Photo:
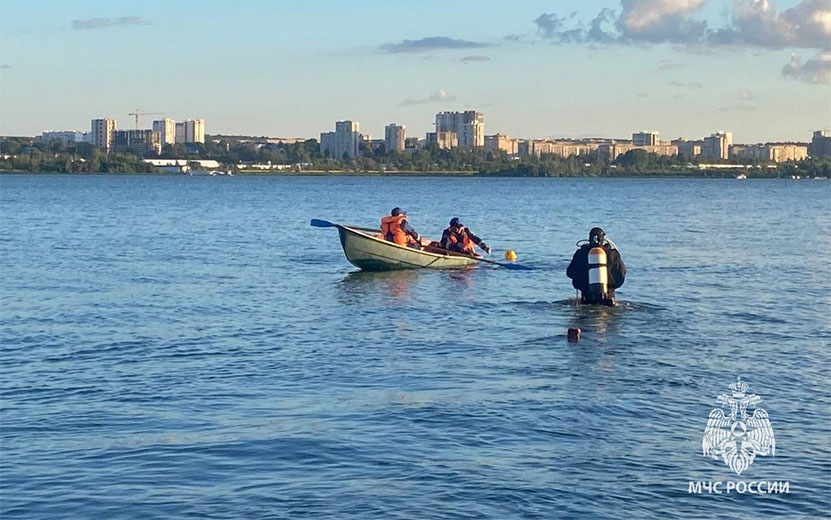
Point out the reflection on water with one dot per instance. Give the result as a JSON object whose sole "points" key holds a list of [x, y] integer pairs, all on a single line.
{"points": [[397, 287], [595, 352], [601, 319], [460, 284], [358, 286], [596, 319], [603, 343]]}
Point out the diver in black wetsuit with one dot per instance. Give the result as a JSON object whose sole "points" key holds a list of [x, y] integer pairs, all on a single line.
{"points": [[596, 270]]}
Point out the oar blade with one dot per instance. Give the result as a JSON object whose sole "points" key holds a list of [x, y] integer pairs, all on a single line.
{"points": [[517, 267], [322, 223]]}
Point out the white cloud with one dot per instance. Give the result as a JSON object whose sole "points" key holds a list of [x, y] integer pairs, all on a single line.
{"points": [[639, 21], [639, 15], [690, 85], [758, 23], [439, 96], [665, 65], [660, 20], [816, 70], [103, 23], [475, 57], [755, 23], [432, 43]]}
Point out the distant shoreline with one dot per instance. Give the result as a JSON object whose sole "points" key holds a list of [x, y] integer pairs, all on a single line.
{"points": [[344, 173], [269, 159]]}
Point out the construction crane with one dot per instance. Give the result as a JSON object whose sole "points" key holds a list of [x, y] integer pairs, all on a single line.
{"points": [[138, 113]]}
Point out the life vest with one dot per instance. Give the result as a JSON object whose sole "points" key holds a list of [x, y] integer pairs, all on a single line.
{"points": [[463, 238], [391, 229]]}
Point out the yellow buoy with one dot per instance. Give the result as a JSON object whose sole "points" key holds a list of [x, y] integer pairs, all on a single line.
{"points": [[510, 255]]}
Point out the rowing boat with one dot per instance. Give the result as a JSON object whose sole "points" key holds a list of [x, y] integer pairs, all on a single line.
{"points": [[367, 249], [370, 253]]}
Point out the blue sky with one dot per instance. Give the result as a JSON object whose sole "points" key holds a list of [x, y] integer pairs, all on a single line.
{"points": [[535, 68]]}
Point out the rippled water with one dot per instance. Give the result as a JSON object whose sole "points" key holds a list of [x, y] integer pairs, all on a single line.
{"points": [[179, 347]]}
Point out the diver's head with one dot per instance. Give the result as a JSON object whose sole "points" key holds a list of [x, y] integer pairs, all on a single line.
{"points": [[597, 236], [397, 211]]}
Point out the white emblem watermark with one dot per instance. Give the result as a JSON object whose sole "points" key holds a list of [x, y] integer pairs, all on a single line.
{"points": [[737, 438]]}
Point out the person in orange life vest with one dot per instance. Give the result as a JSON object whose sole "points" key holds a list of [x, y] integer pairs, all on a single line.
{"points": [[395, 228], [460, 239]]}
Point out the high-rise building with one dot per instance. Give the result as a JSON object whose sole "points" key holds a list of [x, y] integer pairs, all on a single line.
{"points": [[347, 137], [195, 131], [343, 142], [139, 142], [613, 150], [717, 145], [444, 140], [190, 131], [394, 137], [469, 126], [501, 142], [776, 152], [687, 148], [820, 144], [541, 147], [327, 143], [167, 130], [102, 133], [645, 139]]}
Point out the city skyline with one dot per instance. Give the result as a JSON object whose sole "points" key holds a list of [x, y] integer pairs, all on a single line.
{"points": [[538, 70], [394, 135]]}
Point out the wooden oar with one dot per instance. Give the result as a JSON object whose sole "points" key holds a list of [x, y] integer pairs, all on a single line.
{"points": [[325, 223], [515, 267]]}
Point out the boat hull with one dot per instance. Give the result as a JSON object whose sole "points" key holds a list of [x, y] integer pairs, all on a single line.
{"points": [[369, 253]]}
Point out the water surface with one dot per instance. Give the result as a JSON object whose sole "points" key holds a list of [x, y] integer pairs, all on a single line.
{"points": [[185, 347]]}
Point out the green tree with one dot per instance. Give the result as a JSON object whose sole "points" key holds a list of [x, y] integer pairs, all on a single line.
{"points": [[634, 159]]}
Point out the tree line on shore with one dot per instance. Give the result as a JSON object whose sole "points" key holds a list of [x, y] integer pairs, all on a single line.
{"points": [[33, 155]]}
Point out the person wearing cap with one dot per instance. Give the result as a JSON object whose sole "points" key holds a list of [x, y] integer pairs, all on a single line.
{"points": [[460, 239], [395, 228], [596, 269]]}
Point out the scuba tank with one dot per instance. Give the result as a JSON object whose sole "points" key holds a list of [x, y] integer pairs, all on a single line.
{"points": [[598, 276], [597, 290]]}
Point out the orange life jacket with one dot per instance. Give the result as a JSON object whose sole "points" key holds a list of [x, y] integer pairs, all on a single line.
{"points": [[391, 229], [467, 243]]}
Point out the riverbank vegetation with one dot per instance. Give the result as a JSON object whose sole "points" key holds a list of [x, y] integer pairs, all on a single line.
{"points": [[26, 154]]}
